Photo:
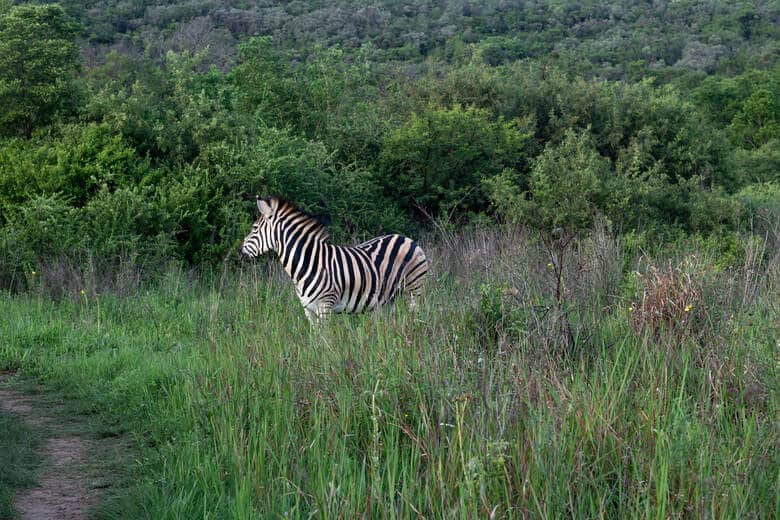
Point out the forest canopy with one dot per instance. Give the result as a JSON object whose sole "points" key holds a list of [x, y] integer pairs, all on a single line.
{"points": [[139, 130]]}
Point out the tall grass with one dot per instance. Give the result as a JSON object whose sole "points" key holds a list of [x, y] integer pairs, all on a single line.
{"points": [[467, 407]]}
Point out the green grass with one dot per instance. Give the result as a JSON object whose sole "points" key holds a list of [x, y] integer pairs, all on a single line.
{"points": [[18, 460], [236, 408]]}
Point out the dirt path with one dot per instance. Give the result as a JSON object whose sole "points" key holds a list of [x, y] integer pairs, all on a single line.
{"points": [[69, 483]]}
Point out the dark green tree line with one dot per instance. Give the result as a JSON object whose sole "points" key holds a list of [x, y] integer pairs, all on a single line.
{"points": [[157, 156]]}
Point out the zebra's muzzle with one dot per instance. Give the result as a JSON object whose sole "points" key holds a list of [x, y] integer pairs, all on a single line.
{"points": [[243, 256]]}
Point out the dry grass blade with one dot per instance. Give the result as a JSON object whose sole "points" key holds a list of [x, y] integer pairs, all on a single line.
{"points": [[671, 298]]}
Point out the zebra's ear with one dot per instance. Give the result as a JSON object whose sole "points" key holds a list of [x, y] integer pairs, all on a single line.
{"points": [[263, 207]]}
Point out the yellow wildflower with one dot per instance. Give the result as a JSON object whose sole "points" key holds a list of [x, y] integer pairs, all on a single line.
{"points": [[688, 308]]}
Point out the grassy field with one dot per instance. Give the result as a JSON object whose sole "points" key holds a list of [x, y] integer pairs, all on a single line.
{"points": [[665, 404]]}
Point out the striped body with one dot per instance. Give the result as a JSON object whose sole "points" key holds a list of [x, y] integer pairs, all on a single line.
{"points": [[331, 278]]}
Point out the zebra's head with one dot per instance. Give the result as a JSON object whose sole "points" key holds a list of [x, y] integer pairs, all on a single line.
{"points": [[261, 239]]}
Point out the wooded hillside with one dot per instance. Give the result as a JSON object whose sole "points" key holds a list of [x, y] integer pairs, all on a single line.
{"points": [[139, 129]]}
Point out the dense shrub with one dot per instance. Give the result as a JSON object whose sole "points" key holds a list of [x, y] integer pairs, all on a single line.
{"points": [[38, 64], [77, 163], [281, 163], [437, 160], [264, 83], [747, 105], [168, 115], [126, 223], [760, 204], [155, 155], [41, 228]]}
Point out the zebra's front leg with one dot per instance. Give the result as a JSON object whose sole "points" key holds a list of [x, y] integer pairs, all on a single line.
{"points": [[316, 313], [311, 316]]}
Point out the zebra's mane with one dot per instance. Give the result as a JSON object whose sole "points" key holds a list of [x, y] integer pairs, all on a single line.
{"points": [[289, 209]]}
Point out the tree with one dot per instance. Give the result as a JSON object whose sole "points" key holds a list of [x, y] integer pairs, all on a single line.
{"points": [[264, 83], [566, 183], [38, 62], [758, 122], [748, 18], [438, 159]]}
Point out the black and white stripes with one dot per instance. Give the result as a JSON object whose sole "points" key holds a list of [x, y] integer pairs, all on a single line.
{"points": [[330, 278]]}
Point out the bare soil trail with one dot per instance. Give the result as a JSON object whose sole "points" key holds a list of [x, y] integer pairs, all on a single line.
{"points": [[70, 482]]}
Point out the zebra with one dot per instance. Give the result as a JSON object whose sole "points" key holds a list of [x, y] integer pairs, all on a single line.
{"points": [[330, 278]]}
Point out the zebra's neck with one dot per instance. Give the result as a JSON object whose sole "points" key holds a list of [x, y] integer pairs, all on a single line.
{"points": [[298, 243]]}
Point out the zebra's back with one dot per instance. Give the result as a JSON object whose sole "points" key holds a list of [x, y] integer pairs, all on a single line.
{"points": [[377, 271]]}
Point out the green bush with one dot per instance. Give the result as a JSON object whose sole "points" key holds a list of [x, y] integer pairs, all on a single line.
{"points": [[208, 204], [712, 210], [76, 164], [758, 120], [438, 159], [759, 165], [571, 182], [565, 184], [169, 115], [564, 188], [89, 158], [127, 223], [760, 205], [39, 59], [43, 227], [760, 200], [669, 131], [189, 201], [20, 169], [265, 83]]}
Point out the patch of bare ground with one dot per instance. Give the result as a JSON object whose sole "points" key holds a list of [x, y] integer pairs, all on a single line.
{"points": [[71, 480]]}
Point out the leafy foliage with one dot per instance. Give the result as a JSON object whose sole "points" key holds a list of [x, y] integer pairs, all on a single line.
{"points": [[38, 62], [565, 183], [76, 165], [380, 118], [623, 40], [438, 158]]}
